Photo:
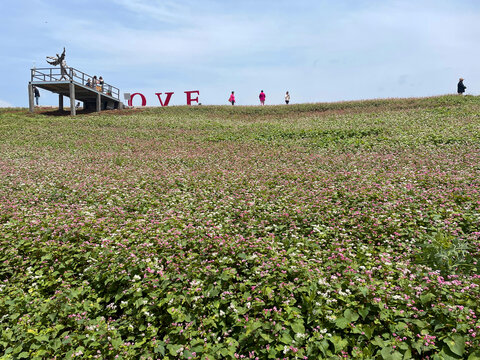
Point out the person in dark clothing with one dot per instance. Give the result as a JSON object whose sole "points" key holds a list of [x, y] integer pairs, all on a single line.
{"points": [[101, 82], [36, 93], [460, 87]]}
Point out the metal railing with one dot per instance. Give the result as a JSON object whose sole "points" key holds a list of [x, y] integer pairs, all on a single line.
{"points": [[77, 76]]}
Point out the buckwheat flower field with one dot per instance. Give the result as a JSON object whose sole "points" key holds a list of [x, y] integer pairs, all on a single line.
{"points": [[317, 231]]}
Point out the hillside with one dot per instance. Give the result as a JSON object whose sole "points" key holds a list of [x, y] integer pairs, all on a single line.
{"points": [[312, 231]]}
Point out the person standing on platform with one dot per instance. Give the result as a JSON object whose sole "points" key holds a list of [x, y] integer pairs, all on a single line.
{"points": [[94, 82], [232, 98], [460, 87], [287, 98], [36, 93], [101, 83], [262, 97]]}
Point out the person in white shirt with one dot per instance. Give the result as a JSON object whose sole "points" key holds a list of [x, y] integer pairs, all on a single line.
{"points": [[287, 98]]}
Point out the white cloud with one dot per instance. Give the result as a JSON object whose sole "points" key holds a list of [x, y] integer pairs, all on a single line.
{"points": [[319, 50], [162, 10], [189, 36]]}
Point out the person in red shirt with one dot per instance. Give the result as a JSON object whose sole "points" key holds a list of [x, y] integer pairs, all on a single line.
{"points": [[262, 97], [232, 98]]}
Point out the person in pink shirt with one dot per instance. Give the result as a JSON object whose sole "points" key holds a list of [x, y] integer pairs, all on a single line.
{"points": [[262, 97], [232, 98]]}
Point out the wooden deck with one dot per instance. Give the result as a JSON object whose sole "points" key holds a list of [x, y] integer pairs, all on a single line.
{"points": [[74, 87]]}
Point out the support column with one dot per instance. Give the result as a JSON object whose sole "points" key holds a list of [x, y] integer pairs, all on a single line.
{"points": [[73, 111], [60, 102], [99, 102], [31, 104]]}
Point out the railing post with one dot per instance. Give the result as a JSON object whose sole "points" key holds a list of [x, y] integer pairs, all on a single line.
{"points": [[31, 104], [72, 99], [99, 103]]}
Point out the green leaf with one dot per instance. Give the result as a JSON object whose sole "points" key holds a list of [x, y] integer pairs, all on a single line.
{"points": [[23, 355], [41, 338], [368, 330], [418, 345], [173, 349], [266, 337], [116, 343], [139, 302], [338, 343], [385, 315], [426, 298], [408, 354], [187, 354], [378, 341], [298, 327], [456, 344], [447, 354], [364, 312], [350, 315], [401, 326], [286, 338], [389, 354], [252, 326], [474, 356], [224, 352], [342, 323], [421, 324]]}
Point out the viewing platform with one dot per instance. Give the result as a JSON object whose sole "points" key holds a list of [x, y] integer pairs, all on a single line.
{"points": [[73, 84]]}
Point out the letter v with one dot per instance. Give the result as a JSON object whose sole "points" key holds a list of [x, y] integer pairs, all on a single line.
{"points": [[167, 100]]}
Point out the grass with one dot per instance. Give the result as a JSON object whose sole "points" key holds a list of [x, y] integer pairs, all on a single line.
{"points": [[319, 231]]}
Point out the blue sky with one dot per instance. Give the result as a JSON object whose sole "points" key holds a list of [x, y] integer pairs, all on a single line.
{"points": [[318, 50]]}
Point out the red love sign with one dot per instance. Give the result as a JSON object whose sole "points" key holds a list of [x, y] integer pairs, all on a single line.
{"points": [[167, 99]]}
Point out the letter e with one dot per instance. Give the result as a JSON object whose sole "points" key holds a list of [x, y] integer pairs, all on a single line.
{"points": [[189, 96]]}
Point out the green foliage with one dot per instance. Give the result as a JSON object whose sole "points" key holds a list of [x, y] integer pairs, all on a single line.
{"points": [[448, 253], [318, 231]]}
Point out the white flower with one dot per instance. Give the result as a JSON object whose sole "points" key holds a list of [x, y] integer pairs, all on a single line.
{"points": [[322, 281]]}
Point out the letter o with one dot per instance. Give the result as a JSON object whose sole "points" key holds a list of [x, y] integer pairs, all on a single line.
{"points": [[144, 101]]}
